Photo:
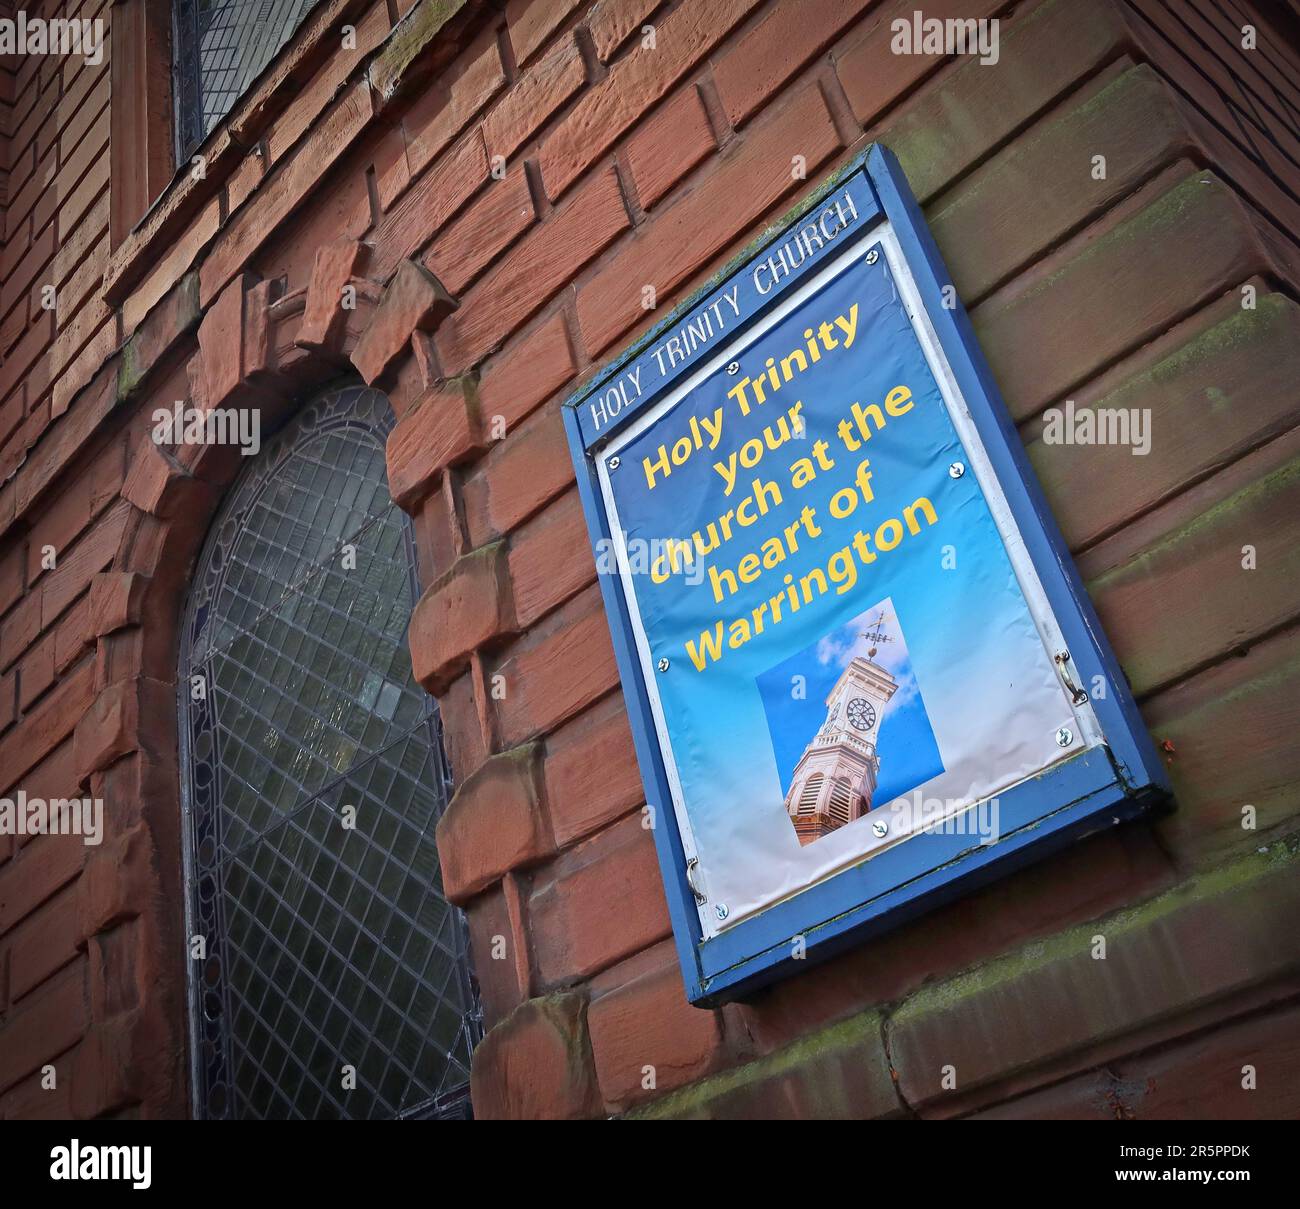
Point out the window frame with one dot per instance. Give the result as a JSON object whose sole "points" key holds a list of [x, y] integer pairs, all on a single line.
{"points": [[453, 1104]]}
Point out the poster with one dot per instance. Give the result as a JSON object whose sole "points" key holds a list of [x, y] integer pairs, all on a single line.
{"points": [[838, 647], [861, 672]]}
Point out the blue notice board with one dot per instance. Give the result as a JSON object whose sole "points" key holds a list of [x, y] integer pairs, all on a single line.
{"points": [[861, 671]]}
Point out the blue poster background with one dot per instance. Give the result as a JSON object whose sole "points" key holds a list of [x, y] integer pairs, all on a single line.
{"points": [[991, 697]]}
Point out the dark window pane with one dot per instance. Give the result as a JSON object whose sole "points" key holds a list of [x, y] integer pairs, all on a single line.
{"points": [[220, 47]]}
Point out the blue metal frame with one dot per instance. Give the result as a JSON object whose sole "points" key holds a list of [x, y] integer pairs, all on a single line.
{"points": [[1090, 791]]}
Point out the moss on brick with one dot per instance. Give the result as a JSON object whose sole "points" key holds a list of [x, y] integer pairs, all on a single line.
{"points": [[1236, 876], [1282, 479], [822, 1098], [408, 41]]}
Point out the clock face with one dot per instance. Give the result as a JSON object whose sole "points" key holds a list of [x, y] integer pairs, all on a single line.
{"points": [[862, 714]]}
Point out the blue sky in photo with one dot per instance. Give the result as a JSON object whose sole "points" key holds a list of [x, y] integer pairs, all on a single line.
{"points": [[909, 755]]}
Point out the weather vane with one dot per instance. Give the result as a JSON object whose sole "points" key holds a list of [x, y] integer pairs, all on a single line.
{"points": [[875, 634]]}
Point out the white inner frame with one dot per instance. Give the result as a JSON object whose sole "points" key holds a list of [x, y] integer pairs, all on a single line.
{"points": [[1088, 733]]}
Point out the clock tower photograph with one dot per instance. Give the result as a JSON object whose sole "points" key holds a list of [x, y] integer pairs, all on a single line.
{"points": [[836, 779]]}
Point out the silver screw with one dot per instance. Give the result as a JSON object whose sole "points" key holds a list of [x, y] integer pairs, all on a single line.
{"points": [[662, 665], [734, 367], [956, 470], [873, 256], [613, 462], [1064, 737], [721, 911], [880, 829]]}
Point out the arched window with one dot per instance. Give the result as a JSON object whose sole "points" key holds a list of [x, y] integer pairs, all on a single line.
{"points": [[332, 978], [808, 798]]}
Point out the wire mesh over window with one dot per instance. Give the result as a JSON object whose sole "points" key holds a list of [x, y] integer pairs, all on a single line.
{"points": [[219, 48], [314, 778]]}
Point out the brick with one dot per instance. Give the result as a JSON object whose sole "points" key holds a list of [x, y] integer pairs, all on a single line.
{"points": [[633, 86], [669, 145], [1229, 728], [284, 189], [116, 599], [544, 261], [1082, 308], [755, 66], [1241, 364], [1201, 941], [439, 114], [577, 928], [407, 58], [431, 201], [46, 727], [531, 22], [313, 99], [519, 476], [118, 722], [462, 729], [324, 319], [221, 341], [548, 560], [439, 431], [840, 1074], [612, 22], [536, 1064], [52, 1020], [171, 269], [517, 380], [437, 535], [1223, 606], [413, 300], [77, 566], [488, 227], [45, 942], [751, 177], [649, 1023], [466, 608], [155, 482], [77, 375], [73, 208], [950, 127], [21, 628], [499, 950], [873, 76], [495, 823], [93, 488], [531, 100], [561, 667], [1040, 187]]}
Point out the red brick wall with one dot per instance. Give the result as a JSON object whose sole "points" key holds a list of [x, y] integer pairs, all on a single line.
{"points": [[621, 165]]}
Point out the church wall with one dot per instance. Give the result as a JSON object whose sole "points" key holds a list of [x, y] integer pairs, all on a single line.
{"points": [[1170, 284]]}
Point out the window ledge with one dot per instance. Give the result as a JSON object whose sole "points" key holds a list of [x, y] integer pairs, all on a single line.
{"points": [[224, 149]]}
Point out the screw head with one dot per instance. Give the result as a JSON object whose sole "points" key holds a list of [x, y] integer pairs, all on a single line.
{"points": [[873, 256], [662, 665], [880, 829], [1064, 737], [721, 911], [734, 367], [956, 470], [613, 462]]}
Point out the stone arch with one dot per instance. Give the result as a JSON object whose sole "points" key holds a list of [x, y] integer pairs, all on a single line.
{"points": [[257, 347]]}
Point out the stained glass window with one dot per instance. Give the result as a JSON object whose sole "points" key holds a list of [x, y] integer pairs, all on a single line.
{"points": [[334, 981], [220, 47]]}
